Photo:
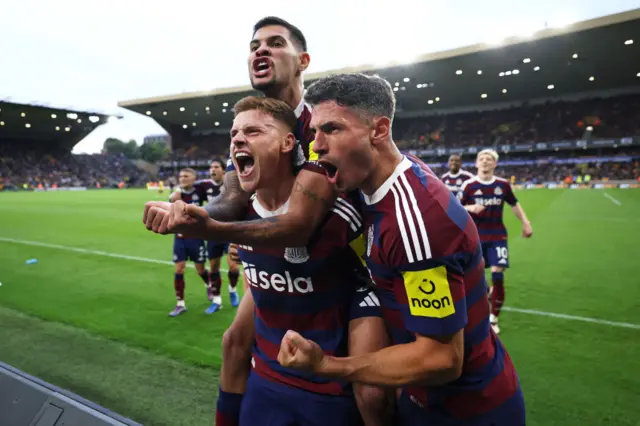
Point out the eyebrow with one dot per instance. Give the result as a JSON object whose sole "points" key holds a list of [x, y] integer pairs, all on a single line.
{"points": [[272, 37]]}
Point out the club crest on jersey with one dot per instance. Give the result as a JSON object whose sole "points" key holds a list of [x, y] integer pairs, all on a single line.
{"points": [[498, 191], [369, 240], [300, 158], [459, 182], [296, 254]]}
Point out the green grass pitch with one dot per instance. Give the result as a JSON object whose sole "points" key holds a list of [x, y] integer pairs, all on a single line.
{"points": [[97, 324]]}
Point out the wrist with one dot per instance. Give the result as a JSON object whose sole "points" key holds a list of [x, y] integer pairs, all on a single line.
{"points": [[338, 368]]}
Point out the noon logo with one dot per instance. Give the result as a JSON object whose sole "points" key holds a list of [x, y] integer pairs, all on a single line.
{"points": [[428, 293]]}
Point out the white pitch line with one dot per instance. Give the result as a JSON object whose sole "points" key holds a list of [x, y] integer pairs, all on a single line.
{"points": [[87, 251], [573, 318], [166, 262], [613, 200]]}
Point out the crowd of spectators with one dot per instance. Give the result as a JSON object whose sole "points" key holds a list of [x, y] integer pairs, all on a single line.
{"points": [[541, 122], [551, 121], [44, 168]]}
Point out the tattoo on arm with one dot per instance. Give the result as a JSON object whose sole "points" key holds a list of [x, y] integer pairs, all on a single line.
{"points": [[298, 187], [232, 203]]}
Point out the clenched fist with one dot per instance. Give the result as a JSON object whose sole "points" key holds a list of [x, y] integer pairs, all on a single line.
{"points": [[299, 353], [156, 216], [176, 218]]}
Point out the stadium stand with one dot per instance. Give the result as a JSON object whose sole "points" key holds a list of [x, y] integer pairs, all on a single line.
{"points": [[544, 102], [35, 151]]}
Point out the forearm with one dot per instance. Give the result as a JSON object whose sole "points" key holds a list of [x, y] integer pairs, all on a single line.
{"points": [[397, 365], [233, 202], [282, 230], [519, 212]]}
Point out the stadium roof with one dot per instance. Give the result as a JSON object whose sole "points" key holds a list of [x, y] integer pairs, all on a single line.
{"points": [[594, 55], [42, 123]]}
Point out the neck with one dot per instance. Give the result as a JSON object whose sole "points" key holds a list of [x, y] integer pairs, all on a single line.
{"points": [[387, 159], [454, 173], [291, 93], [276, 190], [485, 176], [217, 182]]}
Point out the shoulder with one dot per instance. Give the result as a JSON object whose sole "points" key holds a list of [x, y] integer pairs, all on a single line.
{"points": [[204, 183], [503, 182], [348, 208], [472, 179], [467, 174]]}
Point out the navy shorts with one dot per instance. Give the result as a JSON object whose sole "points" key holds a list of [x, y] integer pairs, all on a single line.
{"points": [[188, 249], [510, 413], [267, 403], [215, 250], [495, 253]]}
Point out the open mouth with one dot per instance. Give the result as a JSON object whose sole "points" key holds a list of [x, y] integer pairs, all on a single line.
{"points": [[245, 163], [261, 67], [332, 171]]}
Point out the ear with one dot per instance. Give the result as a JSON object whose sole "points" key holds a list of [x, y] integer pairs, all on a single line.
{"points": [[304, 60], [381, 130], [288, 143]]}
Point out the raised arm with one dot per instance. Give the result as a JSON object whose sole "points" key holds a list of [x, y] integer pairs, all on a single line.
{"points": [[311, 198], [232, 203]]}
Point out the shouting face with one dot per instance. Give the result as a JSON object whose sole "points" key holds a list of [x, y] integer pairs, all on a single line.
{"points": [[259, 143], [274, 59], [343, 144]]}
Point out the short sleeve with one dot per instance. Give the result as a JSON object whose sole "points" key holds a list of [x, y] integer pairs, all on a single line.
{"points": [[429, 284], [509, 196], [365, 303]]}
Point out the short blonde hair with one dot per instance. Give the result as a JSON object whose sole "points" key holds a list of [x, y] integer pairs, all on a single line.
{"points": [[491, 152]]}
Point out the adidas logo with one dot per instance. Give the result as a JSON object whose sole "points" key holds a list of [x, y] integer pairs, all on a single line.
{"points": [[478, 192], [371, 300]]}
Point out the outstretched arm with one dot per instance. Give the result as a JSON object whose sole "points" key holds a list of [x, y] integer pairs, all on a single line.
{"points": [[311, 198], [232, 203]]}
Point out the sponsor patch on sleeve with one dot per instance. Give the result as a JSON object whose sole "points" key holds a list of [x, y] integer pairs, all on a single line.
{"points": [[428, 293]]}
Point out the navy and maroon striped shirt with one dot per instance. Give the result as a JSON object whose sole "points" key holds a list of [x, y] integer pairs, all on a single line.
{"points": [[424, 254], [492, 195], [315, 290]]}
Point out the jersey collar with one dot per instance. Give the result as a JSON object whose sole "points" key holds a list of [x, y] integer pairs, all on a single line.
{"points": [[486, 182], [381, 192], [300, 108], [262, 212]]}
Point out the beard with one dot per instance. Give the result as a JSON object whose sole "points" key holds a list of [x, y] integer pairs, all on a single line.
{"points": [[264, 86]]}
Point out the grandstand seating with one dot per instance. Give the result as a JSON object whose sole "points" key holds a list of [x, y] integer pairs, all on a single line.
{"points": [[62, 169], [543, 122]]}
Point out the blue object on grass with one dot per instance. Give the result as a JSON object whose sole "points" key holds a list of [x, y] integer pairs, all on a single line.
{"points": [[31, 261]]}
